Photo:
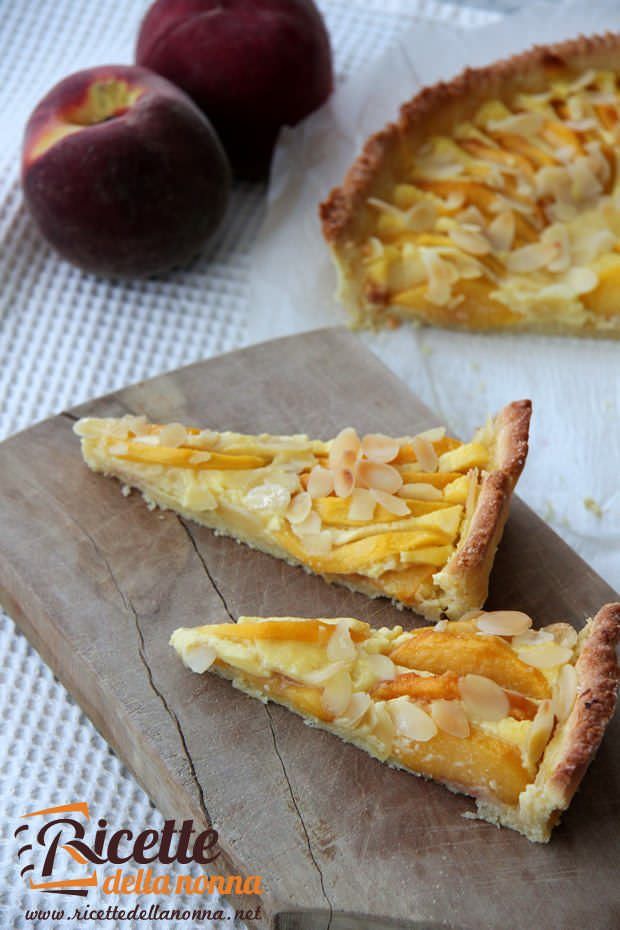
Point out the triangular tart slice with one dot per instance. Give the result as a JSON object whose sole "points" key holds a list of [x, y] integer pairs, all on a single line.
{"points": [[415, 518], [487, 706], [493, 203]]}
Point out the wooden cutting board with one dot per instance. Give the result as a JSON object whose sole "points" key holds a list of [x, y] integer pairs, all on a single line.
{"points": [[97, 582]]}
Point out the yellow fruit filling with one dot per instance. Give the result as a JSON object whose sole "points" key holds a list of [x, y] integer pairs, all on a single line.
{"points": [[388, 513], [509, 219], [472, 703]]}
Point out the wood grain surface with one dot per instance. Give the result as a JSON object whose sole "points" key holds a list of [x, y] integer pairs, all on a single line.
{"points": [[97, 582]]}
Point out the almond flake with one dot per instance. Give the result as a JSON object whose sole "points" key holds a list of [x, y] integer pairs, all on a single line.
{"points": [[379, 476], [172, 435], [529, 257], [381, 666], [199, 658], [347, 440], [344, 482], [379, 448], [382, 726], [547, 655], [441, 276], [539, 732], [308, 527], [501, 231], [435, 434], [450, 717], [470, 239], [268, 496], [421, 492], [483, 698], [504, 622], [320, 482], [391, 503], [337, 693], [581, 280], [563, 633], [519, 124], [318, 544], [411, 721], [199, 458], [531, 638], [565, 692], [299, 507], [425, 453], [341, 647], [356, 709], [362, 506], [118, 448]]}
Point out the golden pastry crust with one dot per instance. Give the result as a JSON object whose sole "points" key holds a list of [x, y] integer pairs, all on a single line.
{"points": [[599, 675], [347, 221], [434, 109], [465, 578]]}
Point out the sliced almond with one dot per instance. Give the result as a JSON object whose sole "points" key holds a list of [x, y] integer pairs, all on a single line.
{"points": [[483, 698], [320, 482], [379, 448], [531, 638], [341, 647], [382, 726], [268, 496], [435, 434], [381, 666], [299, 507], [308, 527], [172, 435], [362, 506], [565, 692], [344, 482], [356, 709], [391, 503], [529, 258], [318, 543], [411, 721], [582, 280], [441, 275], [519, 124], [425, 453], [539, 732], [504, 622], [501, 231], [199, 658], [546, 655], [347, 440], [421, 492], [563, 633], [379, 476], [118, 448], [470, 239], [337, 693], [450, 717]]}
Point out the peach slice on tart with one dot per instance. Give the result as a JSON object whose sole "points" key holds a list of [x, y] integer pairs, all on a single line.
{"points": [[493, 202], [516, 733], [414, 518]]}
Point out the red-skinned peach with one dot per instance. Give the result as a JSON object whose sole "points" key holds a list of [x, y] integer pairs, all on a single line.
{"points": [[122, 172], [252, 66]]}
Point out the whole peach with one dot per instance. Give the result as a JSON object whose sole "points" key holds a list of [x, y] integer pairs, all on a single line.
{"points": [[122, 172], [252, 66]]}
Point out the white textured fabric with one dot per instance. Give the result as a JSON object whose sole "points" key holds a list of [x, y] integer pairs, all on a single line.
{"points": [[67, 336]]}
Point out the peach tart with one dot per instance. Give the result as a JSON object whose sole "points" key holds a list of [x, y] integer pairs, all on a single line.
{"points": [[493, 203], [490, 707], [415, 518]]}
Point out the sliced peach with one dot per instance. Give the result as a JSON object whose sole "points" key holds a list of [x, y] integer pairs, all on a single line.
{"points": [[456, 491], [603, 300], [474, 193], [481, 764], [305, 699], [429, 555], [334, 511], [467, 653], [182, 458], [471, 455], [521, 146], [298, 631], [403, 584], [499, 156], [437, 479], [419, 687], [607, 114], [406, 453], [558, 132]]}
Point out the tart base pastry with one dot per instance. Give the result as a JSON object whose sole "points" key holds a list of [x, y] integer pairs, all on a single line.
{"points": [[487, 706], [417, 519], [493, 203]]}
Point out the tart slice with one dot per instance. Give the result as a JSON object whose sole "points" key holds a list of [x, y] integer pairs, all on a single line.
{"points": [[488, 706], [417, 518], [493, 203]]}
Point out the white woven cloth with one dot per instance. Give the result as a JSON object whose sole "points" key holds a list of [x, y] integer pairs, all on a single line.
{"points": [[67, 336]]}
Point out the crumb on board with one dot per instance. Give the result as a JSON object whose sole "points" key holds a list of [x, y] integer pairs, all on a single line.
{"points": [[590, 504]]}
